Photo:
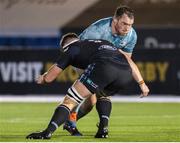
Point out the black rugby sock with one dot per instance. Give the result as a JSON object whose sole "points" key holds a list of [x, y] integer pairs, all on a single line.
{"points": [[103, 107], [60, 115], [82, 112]]}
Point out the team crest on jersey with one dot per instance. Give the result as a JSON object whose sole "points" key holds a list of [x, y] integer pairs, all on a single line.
{"points": [[123, 43], [89, 81], [96, 41]]}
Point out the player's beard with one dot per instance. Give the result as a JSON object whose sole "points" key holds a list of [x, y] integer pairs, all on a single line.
{"points": [[119, 31]]}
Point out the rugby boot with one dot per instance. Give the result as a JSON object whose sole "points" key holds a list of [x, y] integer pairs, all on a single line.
{"points": [[102, 133], [39, 135], [71, 129]]}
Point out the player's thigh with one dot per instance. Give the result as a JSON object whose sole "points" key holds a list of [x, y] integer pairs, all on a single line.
{"points": [[97, 76], [91, 101], [123, 79], [81, 89]]}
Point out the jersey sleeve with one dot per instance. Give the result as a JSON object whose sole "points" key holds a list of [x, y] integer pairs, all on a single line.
{"points": [[131, 44], [64, 60]]}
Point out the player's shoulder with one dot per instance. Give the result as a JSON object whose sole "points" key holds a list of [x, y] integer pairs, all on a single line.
{"points": [[104, 21], [132, 34]]}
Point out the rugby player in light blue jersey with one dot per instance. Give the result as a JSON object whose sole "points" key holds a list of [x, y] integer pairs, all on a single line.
{"points": [[119, 31], [102, 29]]}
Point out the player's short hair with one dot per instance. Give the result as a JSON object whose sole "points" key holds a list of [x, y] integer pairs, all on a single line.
{"points": [[124, 10], [66, 37]]}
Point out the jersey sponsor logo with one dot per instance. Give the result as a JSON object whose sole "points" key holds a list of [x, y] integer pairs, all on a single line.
{"points": [[107, 47], [89, 81], [96, 41]]}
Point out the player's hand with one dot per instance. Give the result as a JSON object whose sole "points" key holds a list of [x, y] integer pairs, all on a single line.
{"points": [[144, 89], [40, 79]]}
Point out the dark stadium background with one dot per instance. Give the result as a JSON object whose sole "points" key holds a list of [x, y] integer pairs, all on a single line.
{"points": [[23, 56]]}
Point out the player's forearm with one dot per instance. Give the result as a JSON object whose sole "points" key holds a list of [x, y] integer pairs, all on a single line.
{"points": [[126, 54], [137, 76], [135, 71], [51, 74]]}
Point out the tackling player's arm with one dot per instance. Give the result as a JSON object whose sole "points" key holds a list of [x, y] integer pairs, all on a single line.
{"points": [[50, 75], [53, 72], [137, 75]]}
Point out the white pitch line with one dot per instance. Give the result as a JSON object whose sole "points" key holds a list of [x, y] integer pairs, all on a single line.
{"points": [[119, 98]]}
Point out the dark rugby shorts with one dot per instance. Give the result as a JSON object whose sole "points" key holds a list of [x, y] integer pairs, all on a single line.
{"points": [[106, 78]]}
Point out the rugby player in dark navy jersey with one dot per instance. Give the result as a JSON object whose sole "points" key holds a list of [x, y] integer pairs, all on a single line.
{"points": [[107, 70]]}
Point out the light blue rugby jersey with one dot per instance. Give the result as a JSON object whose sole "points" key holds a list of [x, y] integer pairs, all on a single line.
{"points": [[101, 29]]}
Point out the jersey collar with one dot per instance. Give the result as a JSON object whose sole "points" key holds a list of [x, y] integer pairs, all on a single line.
{"points": [[70, 43]]}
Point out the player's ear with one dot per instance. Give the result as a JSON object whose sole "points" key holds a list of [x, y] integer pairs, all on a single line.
{"points": [[115, 20]]}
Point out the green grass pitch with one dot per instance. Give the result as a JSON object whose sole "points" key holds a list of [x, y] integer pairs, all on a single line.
{"points": [[129, 122]]}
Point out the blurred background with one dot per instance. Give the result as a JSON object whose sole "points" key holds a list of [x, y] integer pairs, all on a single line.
{"points": [[30, 31]]}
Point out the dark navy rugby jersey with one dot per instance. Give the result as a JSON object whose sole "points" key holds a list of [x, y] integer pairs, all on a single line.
{"points": [[82, 53]]}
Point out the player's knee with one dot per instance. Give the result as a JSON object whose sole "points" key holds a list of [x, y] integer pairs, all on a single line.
{"points": [[89, 103], [107, 98], [68, 102], [76, 94], [93, 100]]}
